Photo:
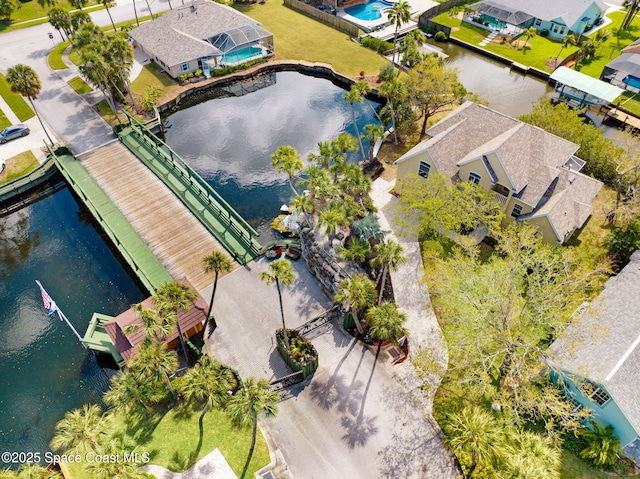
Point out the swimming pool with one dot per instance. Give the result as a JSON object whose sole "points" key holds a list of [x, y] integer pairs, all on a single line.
{"points": [[367, 11], [242, 55]]}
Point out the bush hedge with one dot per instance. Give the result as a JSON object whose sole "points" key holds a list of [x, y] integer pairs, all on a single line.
{"points": [[376, 44]]}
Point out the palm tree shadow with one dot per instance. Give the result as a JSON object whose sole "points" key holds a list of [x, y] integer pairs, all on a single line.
{"points": [[358, 430], [142, 429]]}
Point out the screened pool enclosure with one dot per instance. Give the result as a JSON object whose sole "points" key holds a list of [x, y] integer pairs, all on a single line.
{"points": [[241, 44]]}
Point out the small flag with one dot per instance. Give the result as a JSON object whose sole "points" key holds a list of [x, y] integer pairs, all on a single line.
{"points": [[49, 303]]}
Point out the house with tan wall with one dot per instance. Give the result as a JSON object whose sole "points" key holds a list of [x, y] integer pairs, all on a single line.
{"points": [[533, 174]]}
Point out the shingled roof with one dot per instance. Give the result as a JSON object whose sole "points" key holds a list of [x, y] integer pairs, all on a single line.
{"points": [[180, 35], [127, 344], [602, 345]]}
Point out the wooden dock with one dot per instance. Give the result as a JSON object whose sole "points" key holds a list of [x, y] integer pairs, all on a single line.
{"points": [[174, 235]]}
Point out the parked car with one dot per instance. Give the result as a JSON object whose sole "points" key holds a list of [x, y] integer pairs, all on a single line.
{"points": [[13, 131]]}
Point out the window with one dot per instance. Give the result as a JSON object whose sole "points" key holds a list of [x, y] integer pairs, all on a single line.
{"points": [[423, 170], [594, 393], [561, 30], [474, 178], [516, 211], [184, 67], [577, 407], [538, 22]]}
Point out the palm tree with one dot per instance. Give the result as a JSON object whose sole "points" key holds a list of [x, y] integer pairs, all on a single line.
{"points": [[119, 53], [154, 361], [527, 454], [604, 445], [374, 133], [208, 381], [368, 227], [135, 12], [568, 41], [389, 255], [332, 217], [131, 394], [25, 81], [106, 5], [356, 95], [95, 69], [393, 90], [217, 262], [170, 298], [398, 15], [81, 430], [286, 160], [386, 323], [47, 3], [356, 293], [528, 34], [34, 471], [60, 19], [280, 272], [125, 467], [356, 250], [475, 432], [253, 398]]}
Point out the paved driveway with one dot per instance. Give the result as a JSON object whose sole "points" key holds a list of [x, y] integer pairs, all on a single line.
{"points": [[352, 420]]}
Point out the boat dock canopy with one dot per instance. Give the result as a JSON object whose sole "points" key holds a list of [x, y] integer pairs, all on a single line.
{"points": [[586, 84]]}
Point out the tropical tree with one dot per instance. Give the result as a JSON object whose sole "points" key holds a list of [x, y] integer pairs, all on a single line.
{"points": [[47, 3], [356, 95], [149, 96], [78, 3], [528, 34], [78, 19], [119, 54], [356, 293], [217, 262], [81, 430], [568, 41], [389, 255], [528, 454], [368, 228], [398, 15], [25, 81], [96, 70], [88, 34], [208, 381], [476, 433], [153, 361], [280, 272], [386, 323], [106, 4], [252, 399], [60, 19], [356, 250], [286, 160], [132, 395], [603, 445], [7, 7], [393, 91], [170, 298], [333, 216], [125, 467], [374, 133], [30, 470], [632, 8], [433, 86]]}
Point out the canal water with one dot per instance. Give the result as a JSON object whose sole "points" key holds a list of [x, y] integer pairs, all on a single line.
{"points": [[229, 140], [44, 371]]}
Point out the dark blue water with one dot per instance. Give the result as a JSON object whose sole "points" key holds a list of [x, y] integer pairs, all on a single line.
{"points": [[229, 141], [44, 370]]}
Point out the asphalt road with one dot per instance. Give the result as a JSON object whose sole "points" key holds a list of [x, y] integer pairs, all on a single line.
{"points": [[73, 121]]}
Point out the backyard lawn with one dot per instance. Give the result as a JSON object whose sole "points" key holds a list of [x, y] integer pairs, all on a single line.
{"points": [[151, 75], [298, 37], [172, 440], [18, 104]]}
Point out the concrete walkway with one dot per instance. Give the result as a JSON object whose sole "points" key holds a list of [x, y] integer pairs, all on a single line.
{"points": [[211, 466]]}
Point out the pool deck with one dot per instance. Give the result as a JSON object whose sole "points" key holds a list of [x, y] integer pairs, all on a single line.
{"points": [[380, 28]]}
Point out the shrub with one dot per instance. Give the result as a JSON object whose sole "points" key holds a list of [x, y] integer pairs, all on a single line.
{"points": [[544, 33], [441, 36], [189, 75], [182, 77], [376, 44], [198, 73]]}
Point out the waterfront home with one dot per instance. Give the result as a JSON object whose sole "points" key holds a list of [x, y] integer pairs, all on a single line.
{"points": [[202, 35], [533, 174], [624, 71], [557, 18], [599, 358]]}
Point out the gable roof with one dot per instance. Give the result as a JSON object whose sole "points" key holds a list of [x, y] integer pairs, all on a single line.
{"points": [[604, 343], [564, 11], [628, 63], [180, 35], [127, 344]]}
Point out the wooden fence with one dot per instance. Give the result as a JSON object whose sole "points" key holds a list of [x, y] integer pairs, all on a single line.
{"points": [[324, 17], [440, 8]]}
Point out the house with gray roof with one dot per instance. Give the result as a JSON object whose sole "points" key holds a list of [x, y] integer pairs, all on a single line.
{"points": [[202, 35], [599, 357], [533, 174], [624, 71], [556, 17]]}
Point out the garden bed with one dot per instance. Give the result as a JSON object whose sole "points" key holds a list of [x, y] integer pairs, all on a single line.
{"points": [[301, 355]]}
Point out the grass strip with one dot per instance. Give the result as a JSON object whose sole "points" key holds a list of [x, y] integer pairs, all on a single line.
{"points": [[4, 121], [18, 104], [18, 166], [79, 85], [55, 57]]}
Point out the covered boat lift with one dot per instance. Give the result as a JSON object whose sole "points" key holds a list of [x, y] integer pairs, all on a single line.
{"points": [[583, 89]]}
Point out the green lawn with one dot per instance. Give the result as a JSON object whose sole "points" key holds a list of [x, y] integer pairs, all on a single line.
{"points": [[153, 76], [33, 11], [538, 51], [172, 440], [575, 468], [55, 57], [18, 104], [4, 121], [79, 85], [298, 37], [17, 166]]}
